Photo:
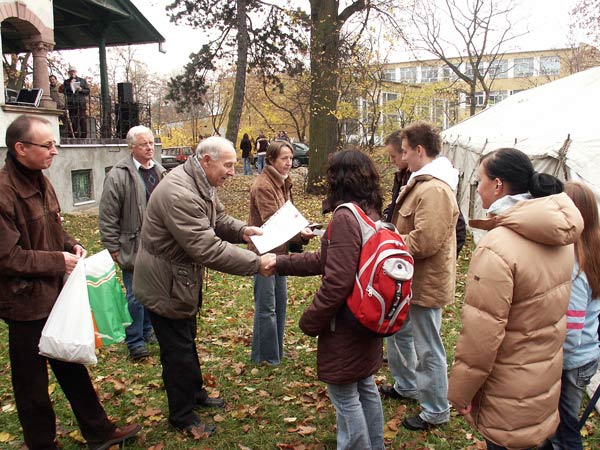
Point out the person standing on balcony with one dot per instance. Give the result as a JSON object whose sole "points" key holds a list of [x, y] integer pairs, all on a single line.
{"points": [[77, 92], [127, 189], [57, 93]]}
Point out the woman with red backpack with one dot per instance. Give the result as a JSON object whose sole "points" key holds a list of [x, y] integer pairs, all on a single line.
{"points": [[346, 359]]}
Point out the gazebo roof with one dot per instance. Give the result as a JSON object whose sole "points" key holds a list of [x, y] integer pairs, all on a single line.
{"points": [[81, 23]]}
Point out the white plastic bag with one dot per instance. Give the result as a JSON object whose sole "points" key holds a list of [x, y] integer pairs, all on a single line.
{"points": [[69, 331]]}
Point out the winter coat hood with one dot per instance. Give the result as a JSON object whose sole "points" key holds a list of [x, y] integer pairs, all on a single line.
{"points": [[551, 220], [440, 168]]}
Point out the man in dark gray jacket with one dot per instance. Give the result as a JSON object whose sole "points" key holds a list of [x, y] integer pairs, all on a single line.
{"points": [[185, 230], [127, 188]]}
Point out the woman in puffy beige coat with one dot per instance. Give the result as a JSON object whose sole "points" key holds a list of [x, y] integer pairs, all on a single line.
{"points": [[508, 361]]}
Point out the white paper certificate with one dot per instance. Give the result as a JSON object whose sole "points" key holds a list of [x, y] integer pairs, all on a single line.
{"points": [[286, 223]]}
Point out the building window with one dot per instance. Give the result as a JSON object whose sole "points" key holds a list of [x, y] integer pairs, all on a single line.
{"points": [[498, 69], [429, 74], [389, 97], [469, 69], [497, 96], [82, 186], [523, 67], [448, 74], [550, 65], [408, 74], [389, 75]]}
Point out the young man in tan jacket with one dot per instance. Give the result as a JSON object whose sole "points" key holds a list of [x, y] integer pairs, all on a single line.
{"points": [[425, 213]]}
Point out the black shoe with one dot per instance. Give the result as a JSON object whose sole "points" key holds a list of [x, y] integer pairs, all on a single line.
{"points": [[138, 353], [388, 391], [210, 402], [199, 430], [116, 437], [417, 424]]}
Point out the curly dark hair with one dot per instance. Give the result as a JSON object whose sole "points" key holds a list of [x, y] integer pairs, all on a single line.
{"points": [[352, 177]]}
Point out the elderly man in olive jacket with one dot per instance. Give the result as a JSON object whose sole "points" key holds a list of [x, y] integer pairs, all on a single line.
{"points": [[127, 189], [185, 230]]}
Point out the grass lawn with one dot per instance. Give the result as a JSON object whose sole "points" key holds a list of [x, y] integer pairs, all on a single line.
{"points": [[283, 407]]}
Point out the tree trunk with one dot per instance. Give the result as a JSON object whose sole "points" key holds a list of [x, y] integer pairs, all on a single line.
{"points": [[237, 103], [473, 108], [324, 43]]}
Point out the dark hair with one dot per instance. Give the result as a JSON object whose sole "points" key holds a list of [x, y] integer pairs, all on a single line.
{"points": [[514, 168], [352, 177], [587, 247], [424, 134], [245, 138], [18, 130], [395, 140], [274, 150]]}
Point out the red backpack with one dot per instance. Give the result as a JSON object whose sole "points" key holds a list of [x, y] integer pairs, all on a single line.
{"points": [[382, 288]]}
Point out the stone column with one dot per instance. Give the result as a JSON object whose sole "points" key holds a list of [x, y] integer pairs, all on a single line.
{"points": [[40, 50]]}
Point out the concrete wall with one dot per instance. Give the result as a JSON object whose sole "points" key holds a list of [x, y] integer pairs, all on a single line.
{"points": [[95, 158]]}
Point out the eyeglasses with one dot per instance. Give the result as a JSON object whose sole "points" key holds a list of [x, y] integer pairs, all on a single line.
{"points": [[47, 146]]}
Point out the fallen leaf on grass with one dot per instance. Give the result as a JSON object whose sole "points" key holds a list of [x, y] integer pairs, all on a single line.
{"points": [[9, 407], [6, 437], [291, 447], [159, 446], [218, 418], [149, 412], [76, 435], [289, 419], [303, 430]]}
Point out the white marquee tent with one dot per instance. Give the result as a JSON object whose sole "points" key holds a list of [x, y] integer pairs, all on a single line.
{"points": [[556, 124]]}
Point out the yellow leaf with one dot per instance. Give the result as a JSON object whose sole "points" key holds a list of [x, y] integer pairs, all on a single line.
{"points": [[76, 435], [5, 437]]}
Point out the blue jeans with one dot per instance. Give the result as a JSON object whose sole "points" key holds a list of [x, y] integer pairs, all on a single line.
{"points": [[261, 163], [573, 384], [270, 302], [417, 361], [140, 320], [359, 415], [247, 166]]}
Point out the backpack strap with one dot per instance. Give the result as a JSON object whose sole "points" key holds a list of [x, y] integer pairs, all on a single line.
{"points": [[367, 227]]}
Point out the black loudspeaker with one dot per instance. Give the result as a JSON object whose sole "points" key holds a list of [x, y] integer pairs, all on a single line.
{"points": [[125, 92], [126, 116]]}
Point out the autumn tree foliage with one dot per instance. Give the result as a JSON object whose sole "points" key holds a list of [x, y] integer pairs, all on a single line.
{"points": [[248, 34]]}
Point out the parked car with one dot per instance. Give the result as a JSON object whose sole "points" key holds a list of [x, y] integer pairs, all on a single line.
{"points": [[300, 155], [180, 153], [168, 161]]}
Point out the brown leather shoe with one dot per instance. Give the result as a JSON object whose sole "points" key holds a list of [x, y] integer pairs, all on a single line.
{"points": [[119, 435]]}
